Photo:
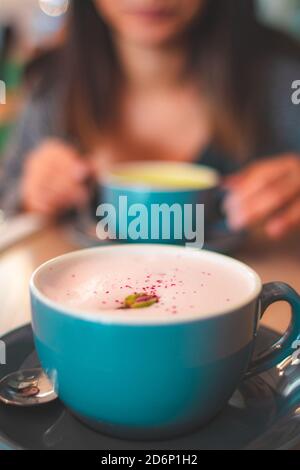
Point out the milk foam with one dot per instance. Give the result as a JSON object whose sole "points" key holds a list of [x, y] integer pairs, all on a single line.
{"points": [[186, 282]]}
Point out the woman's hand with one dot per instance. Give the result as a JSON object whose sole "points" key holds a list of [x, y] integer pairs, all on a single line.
{"points": [[267, 193], [54, 179]]}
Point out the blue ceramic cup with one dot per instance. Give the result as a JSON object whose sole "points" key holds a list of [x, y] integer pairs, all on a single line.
{"points": [[160, 198], [144, 377]]}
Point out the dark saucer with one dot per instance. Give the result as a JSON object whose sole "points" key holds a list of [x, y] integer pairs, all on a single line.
{"points": [[262, 414]]}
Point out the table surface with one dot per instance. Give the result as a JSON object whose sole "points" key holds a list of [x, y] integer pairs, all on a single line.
{"points": [[272, 261]]}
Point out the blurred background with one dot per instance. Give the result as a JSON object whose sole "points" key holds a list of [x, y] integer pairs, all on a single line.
{"points": [[26, 25]]}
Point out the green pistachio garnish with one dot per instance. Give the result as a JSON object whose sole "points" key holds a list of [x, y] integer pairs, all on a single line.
{"points": [[140, 300]]}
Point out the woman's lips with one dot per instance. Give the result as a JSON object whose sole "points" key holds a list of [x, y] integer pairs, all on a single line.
{"points": [[152, 14]]}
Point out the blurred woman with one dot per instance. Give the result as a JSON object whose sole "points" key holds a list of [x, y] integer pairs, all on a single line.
{"points": [[185, 80]]}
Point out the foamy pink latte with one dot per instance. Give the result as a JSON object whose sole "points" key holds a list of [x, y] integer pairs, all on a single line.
{"points": [[185, 282]]}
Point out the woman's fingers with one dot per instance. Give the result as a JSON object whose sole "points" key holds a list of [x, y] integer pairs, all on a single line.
{"points": [[259, 175], [56, 162], [54, 178], [247, 212], [264, 189], [285, 222], [57, 198]]}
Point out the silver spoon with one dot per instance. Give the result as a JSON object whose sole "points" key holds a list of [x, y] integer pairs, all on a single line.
{"points": [[29, 387]]}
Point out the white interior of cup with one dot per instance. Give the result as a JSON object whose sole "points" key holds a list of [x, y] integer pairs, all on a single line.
{"points": [[247, 277], [162, 176]]}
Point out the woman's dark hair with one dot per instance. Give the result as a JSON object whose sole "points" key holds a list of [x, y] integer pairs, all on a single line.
{"points": [[228, 50]]}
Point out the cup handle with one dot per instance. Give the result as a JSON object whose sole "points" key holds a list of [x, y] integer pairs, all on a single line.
{"points": [[287, 345]]}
